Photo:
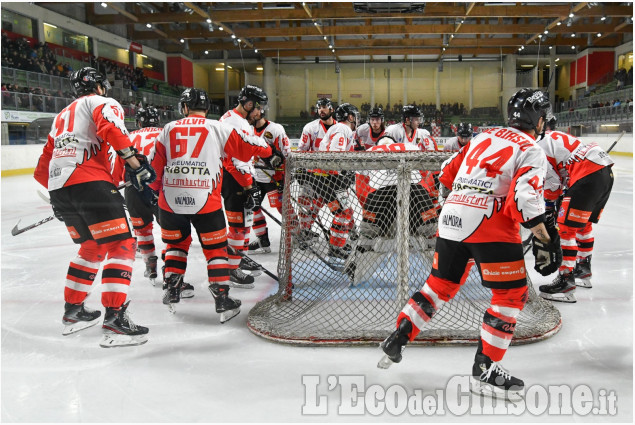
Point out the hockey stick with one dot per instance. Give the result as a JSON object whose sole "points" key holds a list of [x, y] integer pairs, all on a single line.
{"points": [[267, 272], [615, 142], [16, 230], [271, 216]]}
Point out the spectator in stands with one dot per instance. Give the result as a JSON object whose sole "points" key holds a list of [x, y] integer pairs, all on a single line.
{"points": [[621, 76], [629, 77]]}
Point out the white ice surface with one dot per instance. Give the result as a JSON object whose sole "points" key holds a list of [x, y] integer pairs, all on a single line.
{"points": [[193, 369]]}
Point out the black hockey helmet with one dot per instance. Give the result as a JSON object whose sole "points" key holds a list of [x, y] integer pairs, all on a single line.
{"points": [[525, 108], [464, 129], [410, 111], [195, 100], [84, 81], [345, 110], [323, 101], [376, 113], [255, 94], [147, 117]]}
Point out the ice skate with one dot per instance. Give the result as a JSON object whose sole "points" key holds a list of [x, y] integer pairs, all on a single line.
{"points": [[77, 317], [172, 290], [250, 266], [261, 245], [582, 273], [187, 290], [151, 269], [227, 306], [394, 345], [339, 253], [120, 331], [305, 239], [491, 380], [239, 279], [562, 289]]}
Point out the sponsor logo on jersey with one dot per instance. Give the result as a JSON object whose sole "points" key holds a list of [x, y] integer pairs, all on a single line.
{"points": [[170, 234], [185, 199], [108, 228], [475, 201], [212, 238], [64, 152], [503, 272], [268, 135], [55, 172], [452, 221], [579, 215], [64, 139]]}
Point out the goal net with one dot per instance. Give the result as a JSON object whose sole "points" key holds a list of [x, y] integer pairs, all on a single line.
{"points": [[358, 235]]}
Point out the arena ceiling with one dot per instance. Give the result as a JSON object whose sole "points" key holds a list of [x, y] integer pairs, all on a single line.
{"points": [[367, 31]]}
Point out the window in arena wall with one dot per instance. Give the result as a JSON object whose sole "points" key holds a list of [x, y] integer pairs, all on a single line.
{"points": [[63, 37], [17, 23], [111, 52], [623, 61], [150, 63]]}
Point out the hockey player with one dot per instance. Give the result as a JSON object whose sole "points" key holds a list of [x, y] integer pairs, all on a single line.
{"points": [[497, 182], [586, 171], [240, 194], [269, 183], [310, 141], [76, 170], [313, 132], [331, 188], [188, 158], [408, 130], [464, 134], [142, 210], [380, 210], [368, 134]]}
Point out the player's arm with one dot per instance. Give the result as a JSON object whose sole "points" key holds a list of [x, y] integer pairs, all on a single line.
{"points": [[41, 173], [305, 139]]}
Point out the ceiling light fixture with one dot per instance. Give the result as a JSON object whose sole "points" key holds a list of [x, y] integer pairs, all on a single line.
{"points": [[149, 25], [220, 28], [207, 52], [572, 35], [572, 47], [571, 15], [209, 21], [546, 31], [603, 18], [238, 40], [559, 23], [234, 36], [599, 34], [182, 41], [255, 50], [104, 5], [557, 59]]}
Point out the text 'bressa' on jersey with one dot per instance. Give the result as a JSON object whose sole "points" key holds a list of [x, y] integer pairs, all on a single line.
{"points": [[570, 160], [243, 171], [491, 192], [275, 136], [420, 137], [77, 146], [188, 158], [312, 135]]}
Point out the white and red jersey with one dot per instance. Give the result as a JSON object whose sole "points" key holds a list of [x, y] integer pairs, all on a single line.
{"points": [[497, 182], [143, 141], [383, 178], [77, 149], [338, 138], [275, 136], [420, 137], [312, 135], [570, 160], [242, 171], [365, 135], [189, 157], [452, 145]]}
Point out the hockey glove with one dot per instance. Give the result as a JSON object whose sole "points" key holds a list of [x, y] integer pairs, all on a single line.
{"points": [[57, 214], [253, 198], [275, 160], [548, 256], [142, 176]]}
